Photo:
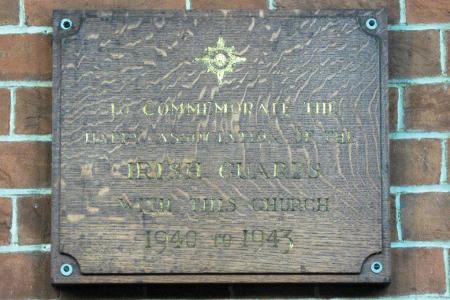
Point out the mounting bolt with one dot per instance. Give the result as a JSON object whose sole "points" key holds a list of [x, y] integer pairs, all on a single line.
{"points": [[376, 267], [371, 23], [66, 24], [66, 269]]}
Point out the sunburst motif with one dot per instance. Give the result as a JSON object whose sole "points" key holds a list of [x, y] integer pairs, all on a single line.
{"points": [[220, 59]]}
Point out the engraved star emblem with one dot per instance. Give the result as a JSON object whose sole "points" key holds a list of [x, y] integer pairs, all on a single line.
{"points": [[220, 59]]}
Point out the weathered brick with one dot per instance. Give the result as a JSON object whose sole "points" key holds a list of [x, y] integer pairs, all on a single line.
{"points": [[435, 11], [393, 100], [4, 111], [39, 12], [427, 107], [229, 4], [25, 57], [5, 220], [417, 271], [9, 12], [392, 5], [25, 164], [414, 53], [426, 216], [26, 276], [34, 220], [415, 162], [393, 220], [448, 51], [34, 111]]}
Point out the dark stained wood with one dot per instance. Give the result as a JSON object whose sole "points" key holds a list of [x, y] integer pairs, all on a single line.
{"points": [[304, 126]]}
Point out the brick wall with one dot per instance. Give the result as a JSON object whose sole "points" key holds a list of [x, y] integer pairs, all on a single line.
{"points": [[420, 131]]}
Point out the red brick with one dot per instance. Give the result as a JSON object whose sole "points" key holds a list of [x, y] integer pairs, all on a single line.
{"points": [[25, 276], [417, 271], [435, 11], [39, 12], [414, 53], [25, 57], [34, 220], [229, 4], [392, 5], [448, 159], [5, 220], [393, 100], [448, 51], [9, 12], [34, 111], [393, 221], [415, 162], [4, 111], [25, 164], [427, 107], [426, 216]]}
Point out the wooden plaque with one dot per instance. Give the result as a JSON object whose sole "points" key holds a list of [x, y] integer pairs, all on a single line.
{"points": [[224, 146]]}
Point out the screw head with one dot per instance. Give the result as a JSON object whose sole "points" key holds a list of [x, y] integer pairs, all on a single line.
{"points": [[372, 24], [376, 267], [66, 269], [66, 24]]}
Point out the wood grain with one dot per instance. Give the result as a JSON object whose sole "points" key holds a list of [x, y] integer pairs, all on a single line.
{"points": [[103, 222]]}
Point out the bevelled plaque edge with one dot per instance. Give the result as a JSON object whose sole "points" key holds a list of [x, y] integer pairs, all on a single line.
{"points": [[369, 266]]}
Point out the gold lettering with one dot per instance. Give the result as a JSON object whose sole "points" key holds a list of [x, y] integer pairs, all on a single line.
{"points": [[260, 205], [234, 109], [285, 108], [289, 204], [248, 107], [130, 170], [279, 168], [221, 109], [274, 110], [194, 203], [141, 166], [125, 203], [344, 137], [163, 109], [175, 138], [124, 109], [87, 138], [149, 205], [270, 204], [319, 108], [159, 170], [145, 110], [322, 204], [296, 204], [314, 171], [222, 168], [191, 109], [264, 108], [177, 109]]}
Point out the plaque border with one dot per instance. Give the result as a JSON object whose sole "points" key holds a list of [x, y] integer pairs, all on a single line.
{"points": [[365, 276]]}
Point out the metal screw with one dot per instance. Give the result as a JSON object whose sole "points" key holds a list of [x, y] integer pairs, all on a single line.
{"points": [[66, 24], [66, 269], [372, 23], [376, 267]]}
